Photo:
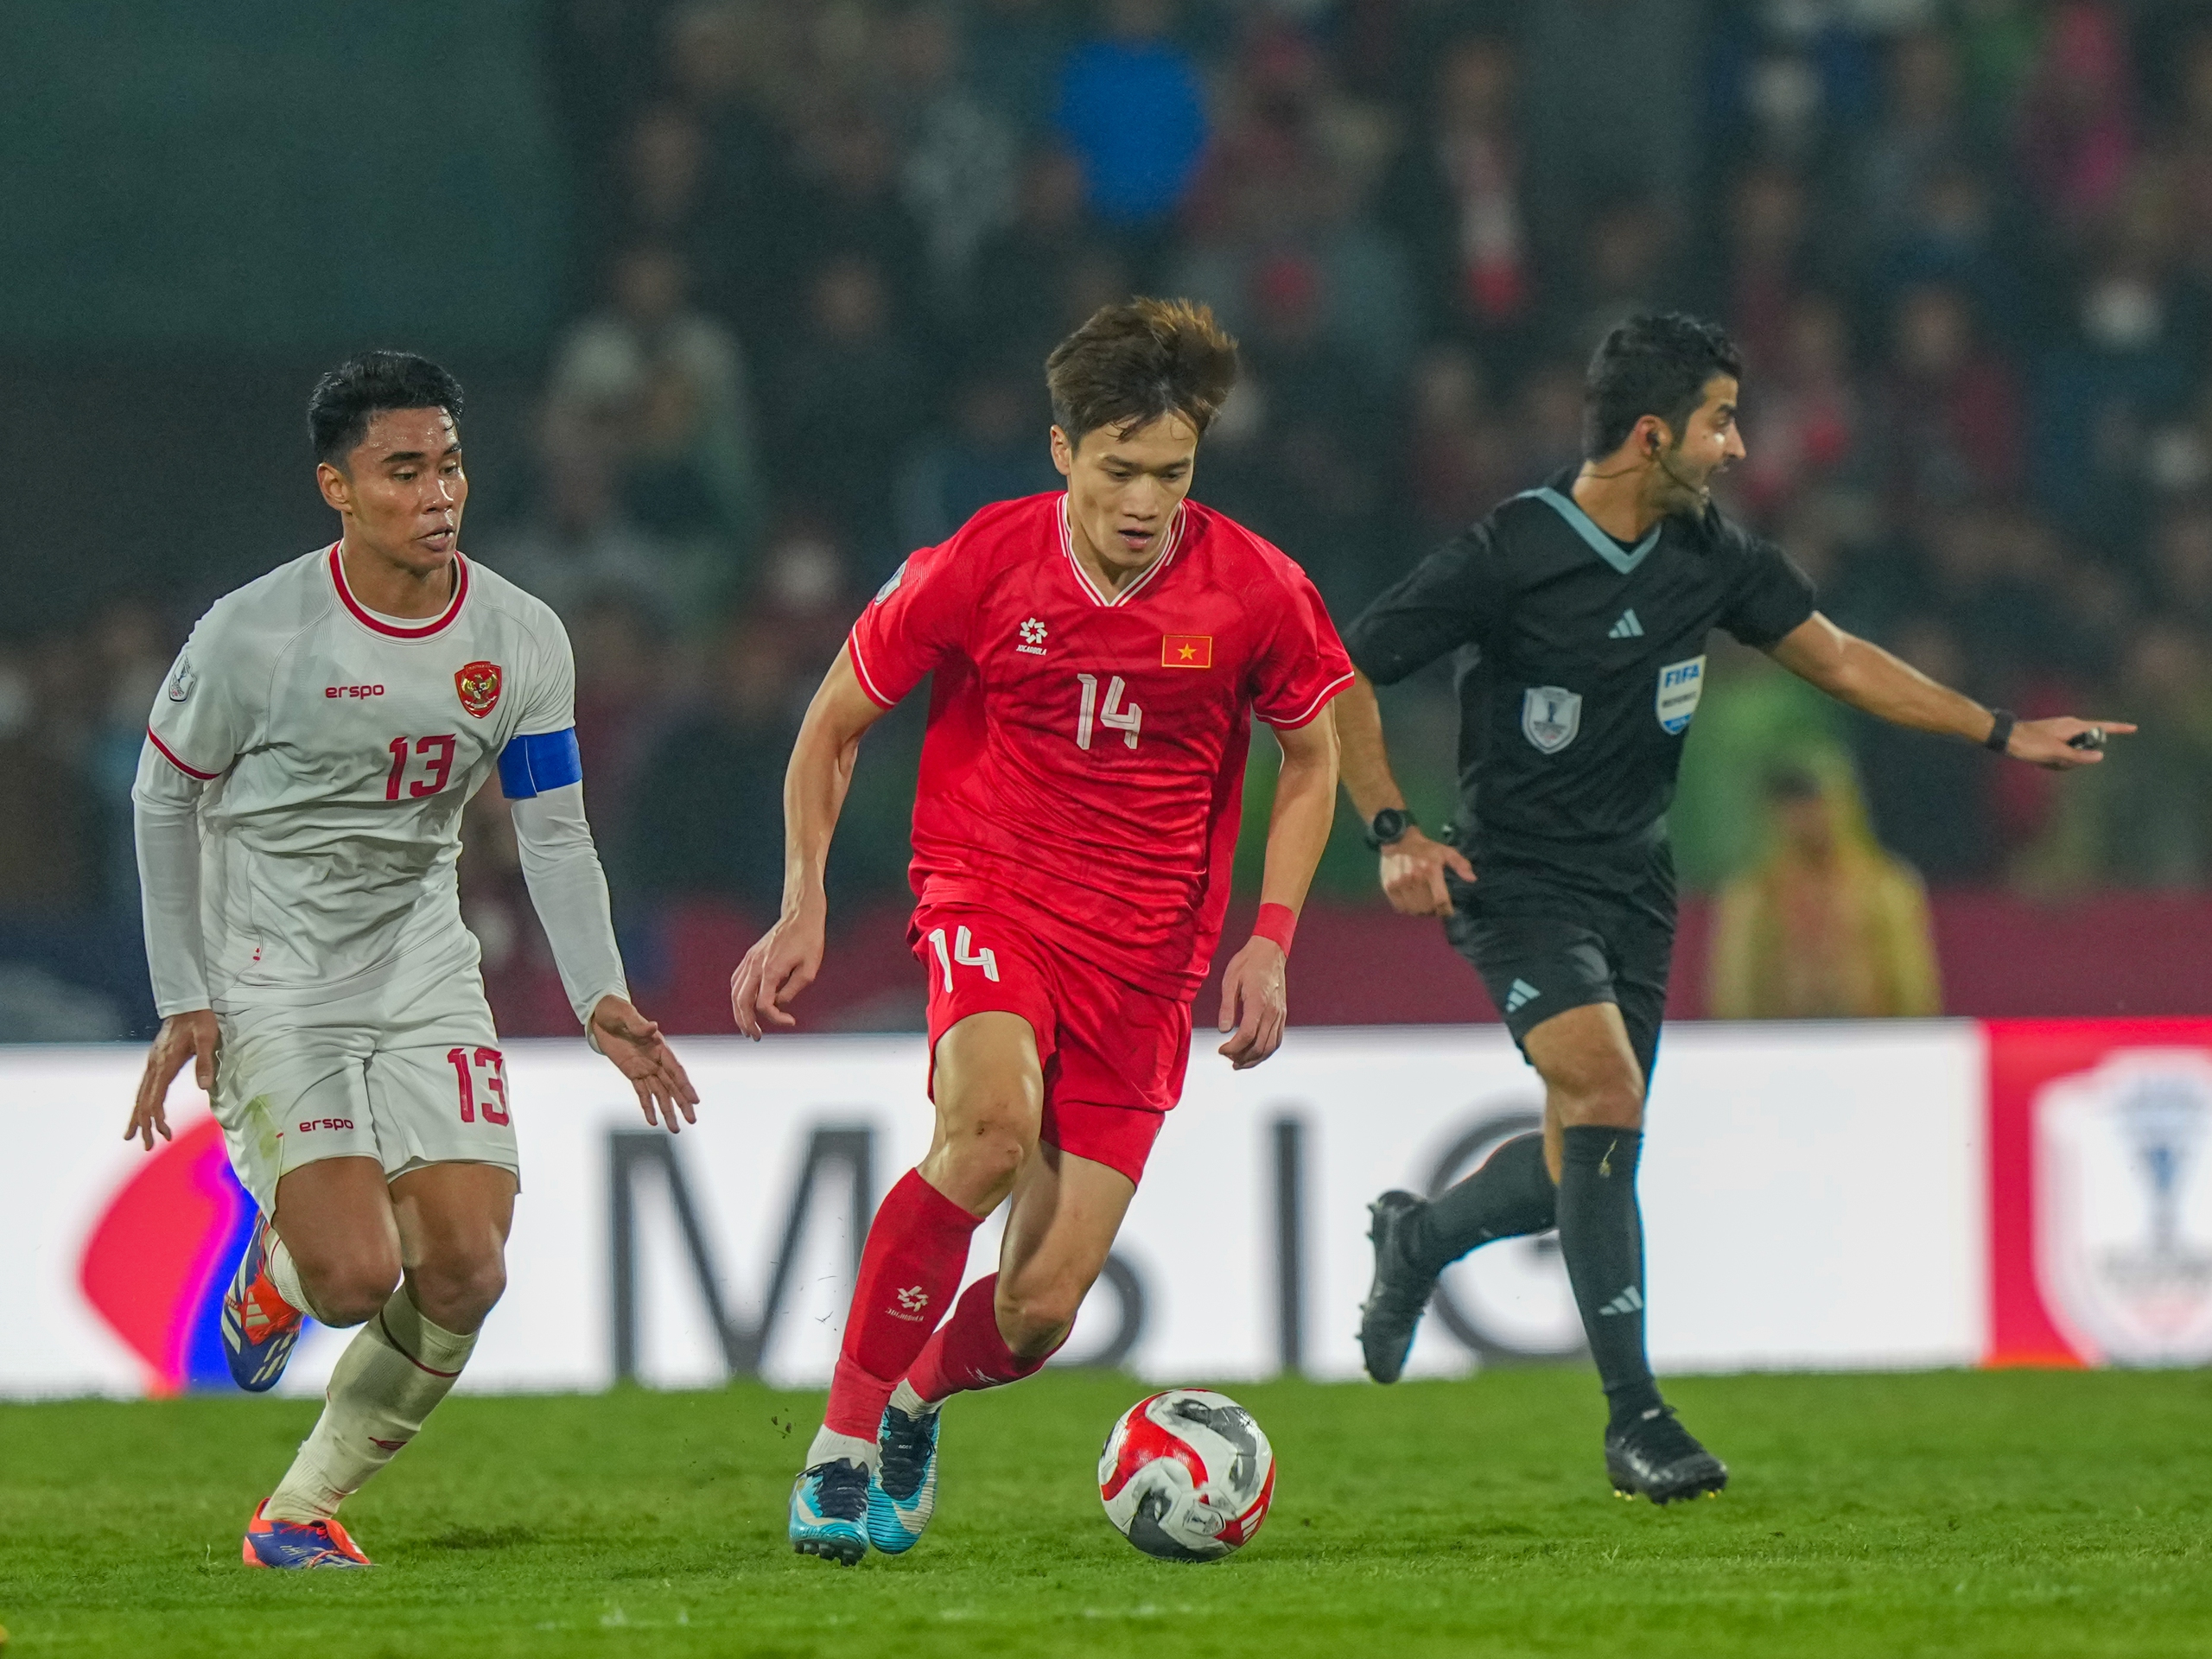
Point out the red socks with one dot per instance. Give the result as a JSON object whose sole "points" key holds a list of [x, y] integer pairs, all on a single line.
{"points": [[968, 1353], [916, 1249]]}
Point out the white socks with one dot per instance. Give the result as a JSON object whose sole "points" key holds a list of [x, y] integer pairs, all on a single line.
{"points": [[397, 1367], [828, 1446], [285, 1274], [911, 1403]]}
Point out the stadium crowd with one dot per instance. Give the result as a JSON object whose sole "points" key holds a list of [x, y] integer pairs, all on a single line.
{"points": [[822, 249]]}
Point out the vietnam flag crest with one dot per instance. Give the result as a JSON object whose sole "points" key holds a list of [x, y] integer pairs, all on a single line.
{"points": [[1187, 650]]}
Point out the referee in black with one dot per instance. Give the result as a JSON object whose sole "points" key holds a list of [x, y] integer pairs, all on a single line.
{"points": [[1579, 612]]}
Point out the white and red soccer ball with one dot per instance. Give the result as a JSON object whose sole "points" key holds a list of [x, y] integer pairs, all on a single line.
{"points": [[1186, 1475]]}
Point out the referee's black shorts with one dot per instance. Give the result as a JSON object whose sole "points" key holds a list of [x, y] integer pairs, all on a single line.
{"points": [[1554, 927]]}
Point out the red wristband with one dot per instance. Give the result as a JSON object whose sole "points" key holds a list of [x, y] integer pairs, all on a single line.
{"points": [[1276, 922]]}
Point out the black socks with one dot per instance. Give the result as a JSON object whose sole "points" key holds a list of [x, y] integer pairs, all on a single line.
{"points": [[1511, 1194], [1601, 1234]]}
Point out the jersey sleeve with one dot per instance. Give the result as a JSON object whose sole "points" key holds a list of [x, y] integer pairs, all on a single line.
{"points": [[203, 715], [1450, 599], [1304, 664], [542, 754], [916, 619], [1770, 596]]}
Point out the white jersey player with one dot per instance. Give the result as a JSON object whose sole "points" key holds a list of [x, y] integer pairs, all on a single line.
{"points": [[299, 802]]}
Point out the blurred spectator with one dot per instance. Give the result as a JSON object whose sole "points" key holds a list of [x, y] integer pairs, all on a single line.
{"points": [[1132, 108], [959, 157], [2077, 126], [1014, 48], [996, 449], [1609, 109], [709, 816], [661, 386], [1827, 925], [1456, 196], [852, 210], [1950, 408], [576, 541], [1017, 311], [1461, 453], [130, 653], [1930, 798], [57, 838], [852, 396], [1805, 429], [1769, 255], [2145, 818], [1922, 131]]}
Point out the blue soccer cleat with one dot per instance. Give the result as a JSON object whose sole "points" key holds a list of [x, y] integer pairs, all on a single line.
{"points": [[294, 1544], [260, 1328], [828, 1508], [902, 1492]]}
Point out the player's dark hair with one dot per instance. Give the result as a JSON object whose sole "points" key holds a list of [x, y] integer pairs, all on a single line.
{"points": [[361, 388], [1132, 363], [1655, 363]]}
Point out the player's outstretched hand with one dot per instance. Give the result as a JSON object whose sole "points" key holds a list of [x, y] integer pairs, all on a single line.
{"points": [[782, 963], [183, 1037], [2062, 744], [1254, 1003], [1413, 874], [642, 1054]]}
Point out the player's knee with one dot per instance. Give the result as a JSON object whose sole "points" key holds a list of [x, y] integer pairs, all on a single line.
{"points": [[350, 1291], [1035, 1317], [991, 1140], [457, 1291], [1610, 1098]]}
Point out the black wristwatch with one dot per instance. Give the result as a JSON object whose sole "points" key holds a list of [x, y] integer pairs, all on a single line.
{"points": [[2000, 730], [1389, 826]]}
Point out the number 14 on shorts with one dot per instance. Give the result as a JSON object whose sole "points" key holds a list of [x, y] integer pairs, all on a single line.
{"points": [[964, 952]]}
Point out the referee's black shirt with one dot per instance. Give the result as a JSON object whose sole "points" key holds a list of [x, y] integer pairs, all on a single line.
{"points": [[1581, 660]]}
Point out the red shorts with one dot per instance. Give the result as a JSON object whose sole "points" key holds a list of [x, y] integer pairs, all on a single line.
{"points": [[1114, 1056]]}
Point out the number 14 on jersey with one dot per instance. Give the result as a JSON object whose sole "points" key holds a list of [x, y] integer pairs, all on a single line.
{"points": [[1115, 715]]}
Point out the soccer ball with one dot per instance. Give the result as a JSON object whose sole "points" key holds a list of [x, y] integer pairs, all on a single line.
{"points": [[1186, 1475]]}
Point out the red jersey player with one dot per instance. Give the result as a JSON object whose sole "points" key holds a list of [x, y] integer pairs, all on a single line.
{"points": [[1098, 656]]}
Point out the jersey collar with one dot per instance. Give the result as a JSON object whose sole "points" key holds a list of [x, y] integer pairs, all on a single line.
{"points": [[1624, 559], [1082, 576], [376, 623]]}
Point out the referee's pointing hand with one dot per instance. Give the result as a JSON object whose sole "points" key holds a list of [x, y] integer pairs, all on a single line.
{"points": [[1413, 874]]}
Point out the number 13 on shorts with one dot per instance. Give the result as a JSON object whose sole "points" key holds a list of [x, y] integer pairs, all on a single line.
{"points": [[482, 1075], [964, 952]]}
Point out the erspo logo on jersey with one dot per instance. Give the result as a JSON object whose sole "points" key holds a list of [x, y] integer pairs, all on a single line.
{"points": [[353, 691], [479, 686], [161, 1256]]}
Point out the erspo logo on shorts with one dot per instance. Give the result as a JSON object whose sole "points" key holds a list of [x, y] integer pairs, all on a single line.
{"points": [[310, 1125], [160, 1255]]}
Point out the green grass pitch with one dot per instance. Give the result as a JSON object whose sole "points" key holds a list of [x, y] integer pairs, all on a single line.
{"points": [[2001, 1514]]}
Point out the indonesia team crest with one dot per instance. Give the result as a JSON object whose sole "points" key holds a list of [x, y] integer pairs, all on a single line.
{"points": [[478, 685], [2124, 1207]]}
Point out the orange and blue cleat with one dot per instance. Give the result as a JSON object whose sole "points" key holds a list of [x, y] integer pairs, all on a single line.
{"points": [[260, 1328], [294, 1544]]}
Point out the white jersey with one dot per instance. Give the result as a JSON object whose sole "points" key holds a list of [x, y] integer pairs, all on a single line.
{"points": [[338, 747]]}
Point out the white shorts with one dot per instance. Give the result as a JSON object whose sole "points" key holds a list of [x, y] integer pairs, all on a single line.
{"points": [[409, 1074]]}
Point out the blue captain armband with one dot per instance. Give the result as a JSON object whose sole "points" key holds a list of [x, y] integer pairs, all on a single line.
{"points": [[531, 766]]}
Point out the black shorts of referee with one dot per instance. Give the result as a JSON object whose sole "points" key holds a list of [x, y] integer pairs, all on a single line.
{"points": [[1554, 925]]}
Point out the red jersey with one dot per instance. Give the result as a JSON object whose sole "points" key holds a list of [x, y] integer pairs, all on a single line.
{"points": [[1083, 767]]}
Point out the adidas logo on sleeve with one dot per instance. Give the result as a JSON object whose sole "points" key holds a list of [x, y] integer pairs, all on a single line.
{"points": [[1520, 995], [1627, 628]]}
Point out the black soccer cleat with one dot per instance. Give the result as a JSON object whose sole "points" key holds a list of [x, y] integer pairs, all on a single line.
{"points": [[1400, 1293], [1656, 1457]]}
